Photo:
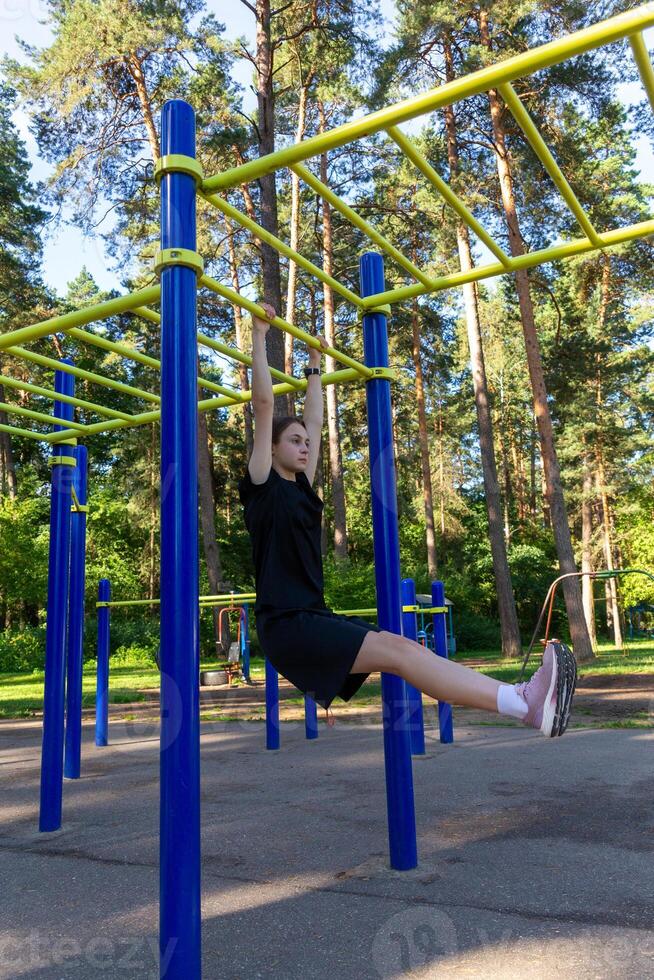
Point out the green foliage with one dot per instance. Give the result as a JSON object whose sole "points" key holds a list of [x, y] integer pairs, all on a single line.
{"points": [[475, 632], [22, 650]]}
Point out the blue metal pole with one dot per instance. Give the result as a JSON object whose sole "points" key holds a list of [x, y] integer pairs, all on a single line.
{"points": [[440, 640], [245, 635], [272, 706], [180, 926], [409, 624], [102, 670], [52, 749], [73, 753], [310, 717], [397, 743]]}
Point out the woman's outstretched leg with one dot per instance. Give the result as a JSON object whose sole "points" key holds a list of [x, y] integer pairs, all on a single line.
{"points": [[543, 702], [441, 679]]}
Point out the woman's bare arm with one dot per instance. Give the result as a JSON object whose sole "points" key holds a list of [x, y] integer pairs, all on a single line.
{"points": [[262, 400], [313, 410]]}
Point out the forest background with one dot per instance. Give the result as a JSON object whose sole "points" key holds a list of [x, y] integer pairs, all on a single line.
{"points": [[488, 501]]}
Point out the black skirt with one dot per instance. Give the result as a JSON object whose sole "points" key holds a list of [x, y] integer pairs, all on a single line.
{"points": [[314, 649]]}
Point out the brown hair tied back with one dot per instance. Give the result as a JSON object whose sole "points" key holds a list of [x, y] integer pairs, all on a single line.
{"points": [[281, 423]]}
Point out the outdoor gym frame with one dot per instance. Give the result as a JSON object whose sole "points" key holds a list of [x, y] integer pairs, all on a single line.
{"points": [[180, 270]]}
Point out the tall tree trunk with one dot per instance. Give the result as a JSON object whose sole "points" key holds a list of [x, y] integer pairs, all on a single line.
{"points": [[612, 610], [272, 289], [586, 550], [291, 289], [511, 644], [428, 499], [240, 340], [335, 452], [554, 489], [532, 468], [135, 69], [611, 587], [441, 469], [8, 483]]}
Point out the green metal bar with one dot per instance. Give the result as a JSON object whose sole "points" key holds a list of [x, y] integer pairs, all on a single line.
{"points": [[78, 318], [29, 413], [543, 153], [147, 314], [57, 396], [130, 353], [452, 92], [233, 352], [355, 219], [455, 202], [206, 405], [643, 229], [229, 595], [282, 248], [100, 379], [335, 377], [238, 355], [254, 308], [14, 430], [145, 418], [641, 57]]}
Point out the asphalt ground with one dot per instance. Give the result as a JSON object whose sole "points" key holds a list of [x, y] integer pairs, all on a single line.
{"points": [[535, 855]]}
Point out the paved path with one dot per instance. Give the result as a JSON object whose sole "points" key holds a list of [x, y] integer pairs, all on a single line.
{"points": [[536, 857]]}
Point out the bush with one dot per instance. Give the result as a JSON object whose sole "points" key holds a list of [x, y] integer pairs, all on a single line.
{"points": [[22, 650], [475, 632]]}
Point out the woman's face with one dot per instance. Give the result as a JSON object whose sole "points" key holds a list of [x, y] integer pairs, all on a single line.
{"points": [[292, 450]]}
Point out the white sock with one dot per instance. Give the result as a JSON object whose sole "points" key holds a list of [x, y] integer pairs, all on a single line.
{"points": [[510, 703]]}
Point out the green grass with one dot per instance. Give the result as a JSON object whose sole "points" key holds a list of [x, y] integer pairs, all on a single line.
{"points": [[21, 695]]}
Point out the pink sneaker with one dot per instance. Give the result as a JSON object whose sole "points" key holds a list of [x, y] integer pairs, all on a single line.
{"points": [[549, 692]]}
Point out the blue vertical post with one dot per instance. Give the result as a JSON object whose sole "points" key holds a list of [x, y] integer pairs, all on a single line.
{"points": [[180, 936], [52, 749], [440, 640], [245, 637], [272, 706], [414, 696], [397, 743], [310, 717], [102, 670], [75, 658]]}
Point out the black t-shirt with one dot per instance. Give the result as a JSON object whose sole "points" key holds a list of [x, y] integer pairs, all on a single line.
{"points": [[284, 519]]}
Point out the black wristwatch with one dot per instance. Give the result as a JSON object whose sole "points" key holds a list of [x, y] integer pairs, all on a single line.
{"points": [[308, 371]]}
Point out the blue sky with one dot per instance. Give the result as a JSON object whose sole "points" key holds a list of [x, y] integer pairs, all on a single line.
{"points": [[66, 250]]}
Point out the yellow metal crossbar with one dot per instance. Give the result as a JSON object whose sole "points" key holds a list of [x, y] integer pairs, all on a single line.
{"points": [[355, 219], [256, 310], [53, 395], [282, 248], [60, 324], [526, 63], [99, 379], [225, 349], [643, 229], [447, 193], [11, 409], [541, 150], [641, 58]]}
